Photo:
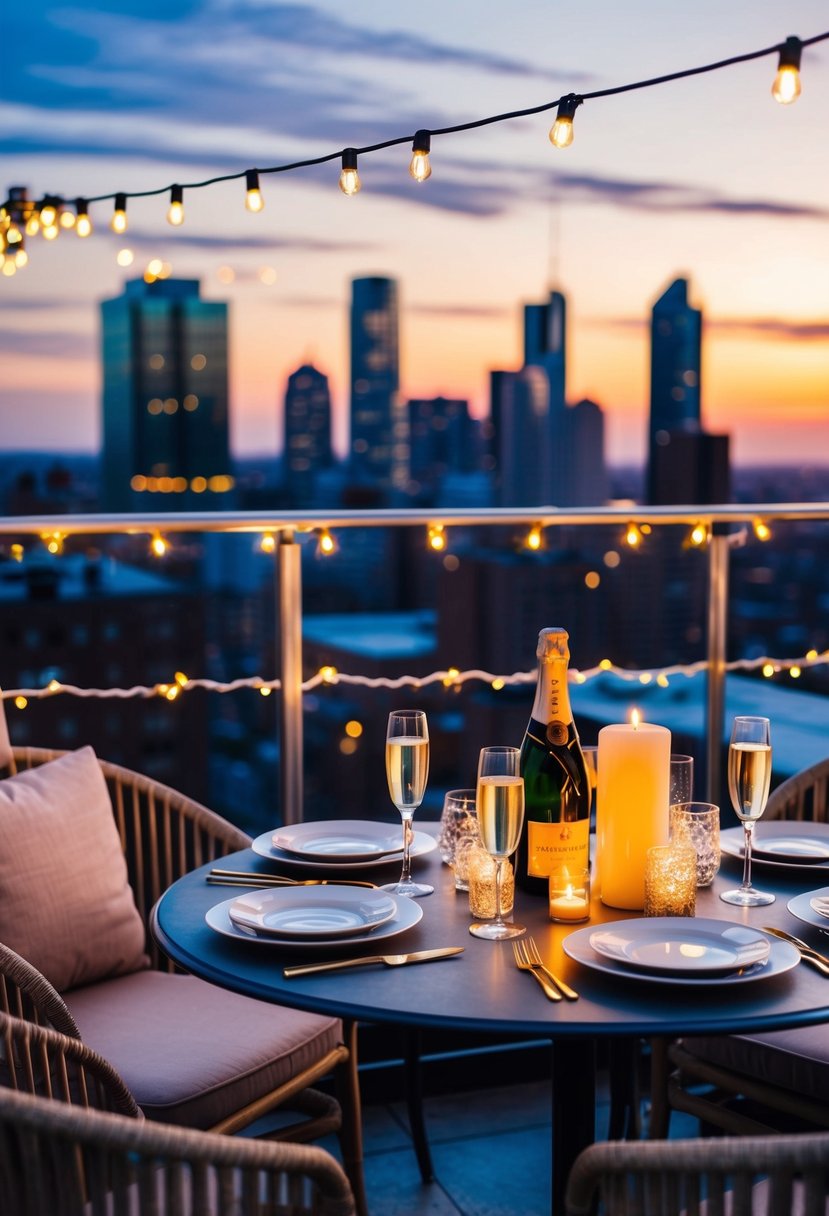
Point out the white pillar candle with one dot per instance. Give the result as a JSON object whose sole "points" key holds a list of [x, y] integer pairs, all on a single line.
{"points": [[632, 799]]}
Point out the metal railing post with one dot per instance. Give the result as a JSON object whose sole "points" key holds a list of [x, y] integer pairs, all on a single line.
{"points": [[289, 630], [717, 634]]}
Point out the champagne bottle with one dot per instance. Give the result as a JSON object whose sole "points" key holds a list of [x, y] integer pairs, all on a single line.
{"points": [[556, 785]]}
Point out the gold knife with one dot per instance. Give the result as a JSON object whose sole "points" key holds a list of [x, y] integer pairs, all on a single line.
{"points": [[807, 953], [240, 878], [390, 960]]}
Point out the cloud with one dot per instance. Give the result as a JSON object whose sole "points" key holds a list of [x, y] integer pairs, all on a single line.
{"points": [[51, 344], [222, 242], [475, 312], [778, 328]]}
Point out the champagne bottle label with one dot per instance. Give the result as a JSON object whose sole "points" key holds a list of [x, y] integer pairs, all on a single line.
{"points": [[556, 844]]}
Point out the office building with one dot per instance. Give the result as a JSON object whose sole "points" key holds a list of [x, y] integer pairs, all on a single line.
{"points": [[307, 438], [583, 477], [165, 399], [676, 364], [379, 446], [441, 442]]}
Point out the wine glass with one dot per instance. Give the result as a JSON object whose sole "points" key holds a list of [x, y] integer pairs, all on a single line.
{"points": [[749, 774], [500, 801], [407, 768]]}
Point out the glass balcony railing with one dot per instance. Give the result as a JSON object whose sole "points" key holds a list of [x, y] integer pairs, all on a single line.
{"points": [[682, 610]]}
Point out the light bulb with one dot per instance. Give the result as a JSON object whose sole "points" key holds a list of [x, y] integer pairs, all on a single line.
{"points": [[48, 213], [21, 257], [13, 234], [420, 168], [786, 87], [33, 224], [561, 132], [253, 198], [118, 223], [349, 177], [83, 225], [50, 232], [175, 212], [66, 219]]}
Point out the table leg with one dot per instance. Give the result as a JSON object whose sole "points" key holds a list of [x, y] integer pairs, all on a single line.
{"points": [[625, 1098], [414, 1098], [574, 1109]]}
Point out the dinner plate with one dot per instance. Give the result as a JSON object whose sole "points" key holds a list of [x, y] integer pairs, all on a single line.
{"points": [[334, 841], [782, 957], [769, 858], [802, 907], [681, 945], [312, 912], [407, 914], [422, 843]]}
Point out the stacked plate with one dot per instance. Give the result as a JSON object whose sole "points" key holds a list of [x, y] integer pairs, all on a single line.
{"points": [[317, 916], [340, 845], [812, 907], [694, 951], [783, 845]]}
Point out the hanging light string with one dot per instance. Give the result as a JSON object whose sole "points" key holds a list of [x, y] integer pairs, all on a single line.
{"points": [[450, 678], [788, 51]]}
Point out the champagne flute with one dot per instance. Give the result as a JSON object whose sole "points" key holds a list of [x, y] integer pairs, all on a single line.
{"points": [[749, 775], [407, 768], [500, 802]]}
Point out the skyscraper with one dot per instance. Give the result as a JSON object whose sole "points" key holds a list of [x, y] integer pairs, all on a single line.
{"points": [[307, 432], [165, 399], [379, 424], [676, 358], [442, 441], [545, 339]]}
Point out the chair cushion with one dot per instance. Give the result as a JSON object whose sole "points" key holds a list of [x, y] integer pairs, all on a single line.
{"points": [[796, 1060], [65, 900], [193, 1053]]}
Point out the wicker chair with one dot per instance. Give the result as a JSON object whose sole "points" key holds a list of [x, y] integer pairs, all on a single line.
{"points": [[747, 1176], [750, 1084], [164, 834], [66, 1161]]}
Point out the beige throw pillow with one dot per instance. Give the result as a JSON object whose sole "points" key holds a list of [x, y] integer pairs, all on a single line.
{"points": [[65, 901]]}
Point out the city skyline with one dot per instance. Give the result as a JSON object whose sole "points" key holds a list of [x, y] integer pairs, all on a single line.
{"points": [[706, 178]]}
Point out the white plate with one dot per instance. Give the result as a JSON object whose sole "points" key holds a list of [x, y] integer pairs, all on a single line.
{"points": [[681, 945], [408, 913], [782, 957], [792, 836], [802, 907], [422, 843], [312, 912], [334, 841]]}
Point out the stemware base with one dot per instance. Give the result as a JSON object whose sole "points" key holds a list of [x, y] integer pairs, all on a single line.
{"points": [[414, 890], [747, 898], [495, 931]]}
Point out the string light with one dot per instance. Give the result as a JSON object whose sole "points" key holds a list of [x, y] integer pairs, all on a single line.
{"points": [[53, 542], [326, 545], [175, 212], [267, 543], [349, 177], [534, 537], [698, 535], [158, 545], [118, 223], [48, 212], [253, 195], [761, 530], [83, 224], [786, 87], [633, 535], [420, 168], [561, 132], [436, 538]]}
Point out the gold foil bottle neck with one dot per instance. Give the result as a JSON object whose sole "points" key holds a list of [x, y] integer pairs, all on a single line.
{"points": [[553, 643]]}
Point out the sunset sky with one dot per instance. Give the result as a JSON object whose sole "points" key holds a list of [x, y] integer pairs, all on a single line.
{"points": [[706, 177]]}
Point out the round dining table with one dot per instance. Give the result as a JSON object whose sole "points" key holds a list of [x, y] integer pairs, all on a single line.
{"points": [[482, 991]]}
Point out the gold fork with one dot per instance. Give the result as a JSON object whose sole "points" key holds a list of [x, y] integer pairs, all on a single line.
{"points": [[523, 963], [536, 961]]}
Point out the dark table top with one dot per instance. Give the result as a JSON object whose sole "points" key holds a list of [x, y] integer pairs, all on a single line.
{"points": [[481, 989]]}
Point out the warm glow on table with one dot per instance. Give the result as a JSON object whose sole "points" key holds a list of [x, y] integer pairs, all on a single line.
{"points": [[631, 807]]}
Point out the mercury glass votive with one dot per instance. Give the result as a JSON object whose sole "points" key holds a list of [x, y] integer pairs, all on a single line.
{"points": [[569, 894], [671, 880], [698, 824], [481, 878]]}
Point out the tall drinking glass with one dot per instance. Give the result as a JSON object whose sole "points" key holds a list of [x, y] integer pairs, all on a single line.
{"points": [[749, 775], [500, 802], [407, 769]]}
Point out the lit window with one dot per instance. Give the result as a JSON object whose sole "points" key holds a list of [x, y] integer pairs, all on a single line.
{"points": [[191, 402], [198, 363]]}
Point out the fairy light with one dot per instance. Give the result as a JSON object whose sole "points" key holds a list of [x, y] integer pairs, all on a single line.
{"points": [[768, 670], [33, 223], [118, 223], [795, 671], [267, 543], [699, 535], [498, 683], [451, 676], [83, 224], [181, 679], [436, 538], [158, 545], [561, 132], [633, 536], [420, 168], [326, 545], [761, 530], [786, 86], [265, 691], [175, 212], [66, 219], [253, 195], [534, 538], [48, 212], [21, 702], [349, 177], [53, 542], [17, 551], [328, 674]]}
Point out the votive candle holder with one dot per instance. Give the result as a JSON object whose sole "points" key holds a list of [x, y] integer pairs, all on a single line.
{"points": [[671, 880]]}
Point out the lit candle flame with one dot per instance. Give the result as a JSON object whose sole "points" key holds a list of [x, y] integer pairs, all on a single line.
{"points": [[635, 719]]}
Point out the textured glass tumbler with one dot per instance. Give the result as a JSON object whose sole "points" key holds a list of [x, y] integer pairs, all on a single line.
{"points": [[458, 832], [698, 824], [682, 778], [671, 880]]}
